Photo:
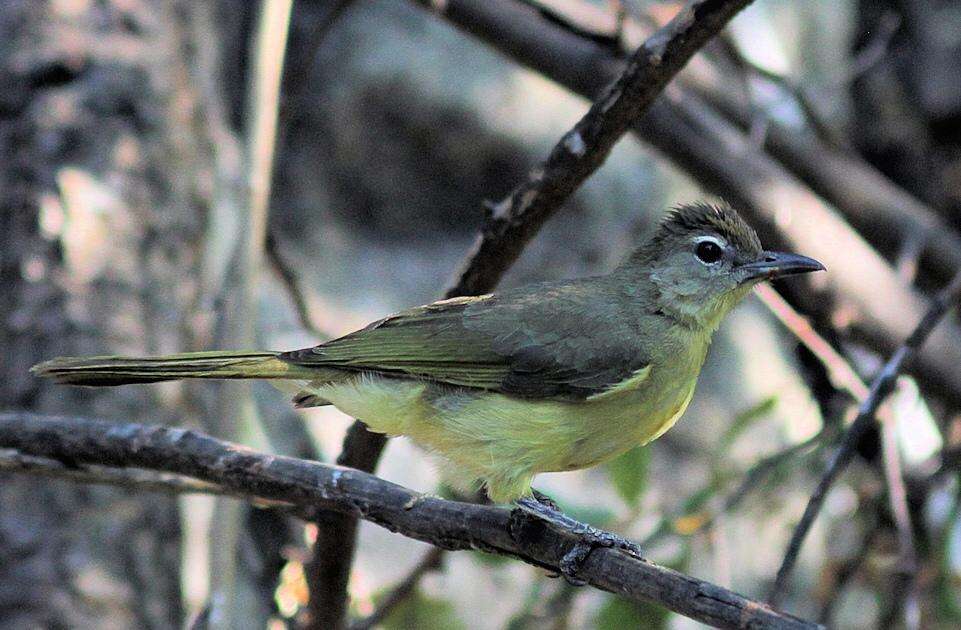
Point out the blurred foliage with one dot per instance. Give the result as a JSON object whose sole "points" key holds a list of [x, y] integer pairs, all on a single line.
{"points": [[619, 613], [628, 474], [422, 611], [744, 420], [947, 587]]}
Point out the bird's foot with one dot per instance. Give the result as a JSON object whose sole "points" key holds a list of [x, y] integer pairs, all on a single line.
{"points": [[588, 536], [544, 500]]}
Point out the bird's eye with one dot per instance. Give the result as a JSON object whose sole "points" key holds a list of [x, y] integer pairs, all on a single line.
{"points": [[708, 252]]}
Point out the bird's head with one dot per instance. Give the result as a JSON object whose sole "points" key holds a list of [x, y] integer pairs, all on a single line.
{"points": [[703, 259]]}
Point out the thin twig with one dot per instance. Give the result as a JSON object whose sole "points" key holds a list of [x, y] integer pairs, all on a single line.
{"points": [[871, 53], [430, 562], [880, 388], [291, 282], [312, 487], [311, 25], [805, 93], [843, 376], [846, 573], [905, 594], [840, 372]]}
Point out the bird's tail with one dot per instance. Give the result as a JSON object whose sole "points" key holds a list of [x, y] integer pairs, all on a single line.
{"points": [[116, 370]]}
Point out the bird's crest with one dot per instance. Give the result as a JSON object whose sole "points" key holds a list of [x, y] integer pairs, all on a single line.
{"points": [[699, 217]]}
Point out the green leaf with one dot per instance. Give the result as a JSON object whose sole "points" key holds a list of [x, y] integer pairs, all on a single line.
{"points": [[490, 559], [746, 418], [618, 613], [421, 611], [628, 473]]}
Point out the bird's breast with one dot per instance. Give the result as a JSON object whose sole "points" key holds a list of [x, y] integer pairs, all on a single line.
{"points": [[634, 413]]}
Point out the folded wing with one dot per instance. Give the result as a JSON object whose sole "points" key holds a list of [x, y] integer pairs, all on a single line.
{"points": [[564, 341]]}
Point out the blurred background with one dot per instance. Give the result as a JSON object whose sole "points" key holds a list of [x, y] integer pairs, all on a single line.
{"points": [[129, 151]]}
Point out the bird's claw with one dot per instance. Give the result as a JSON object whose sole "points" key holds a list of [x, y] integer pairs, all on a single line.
{"points": [[588, 537], [544, 500]]}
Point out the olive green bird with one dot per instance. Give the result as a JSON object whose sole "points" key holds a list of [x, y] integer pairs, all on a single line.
{"points": [[548, 377]]}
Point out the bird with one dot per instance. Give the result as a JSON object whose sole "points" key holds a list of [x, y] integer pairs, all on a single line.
{"points": [[547, 377]]}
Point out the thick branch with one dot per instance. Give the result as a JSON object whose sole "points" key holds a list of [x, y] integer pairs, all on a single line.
{"points": [[314, 486], [513, 221]]}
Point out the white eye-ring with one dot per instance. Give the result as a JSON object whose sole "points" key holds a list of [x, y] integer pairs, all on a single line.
{"points": [[709, 250]]}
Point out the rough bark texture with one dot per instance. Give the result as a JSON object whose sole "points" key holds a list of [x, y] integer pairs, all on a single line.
{"points": [[89, 231], [309, 486]]}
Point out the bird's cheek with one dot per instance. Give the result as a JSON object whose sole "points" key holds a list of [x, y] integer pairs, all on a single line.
{"points": [[677, 284]]}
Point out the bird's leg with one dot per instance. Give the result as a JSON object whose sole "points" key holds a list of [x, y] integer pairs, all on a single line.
{"points": [[588, 537]]}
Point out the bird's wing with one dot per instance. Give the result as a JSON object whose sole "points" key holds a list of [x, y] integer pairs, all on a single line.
{"points": [[555, 342]]}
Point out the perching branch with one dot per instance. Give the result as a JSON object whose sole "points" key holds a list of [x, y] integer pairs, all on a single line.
{"points": [[313, 487], [12, 460], [880, 388]]}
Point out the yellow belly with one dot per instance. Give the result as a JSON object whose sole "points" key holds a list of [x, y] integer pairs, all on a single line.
{"points": [[501, 442]]}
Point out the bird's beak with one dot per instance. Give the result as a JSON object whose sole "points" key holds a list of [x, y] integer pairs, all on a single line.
{"points": [[771, 265]]}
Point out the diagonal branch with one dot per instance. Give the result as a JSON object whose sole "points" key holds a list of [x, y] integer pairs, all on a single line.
{"points": [[880, 388], [311, 487], [512, 222]]}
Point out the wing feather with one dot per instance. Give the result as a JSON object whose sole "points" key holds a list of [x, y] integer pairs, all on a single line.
{"points": [[561, 343]]}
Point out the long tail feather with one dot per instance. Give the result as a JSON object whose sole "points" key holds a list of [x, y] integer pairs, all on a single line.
{"points": [[118, 370]]}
